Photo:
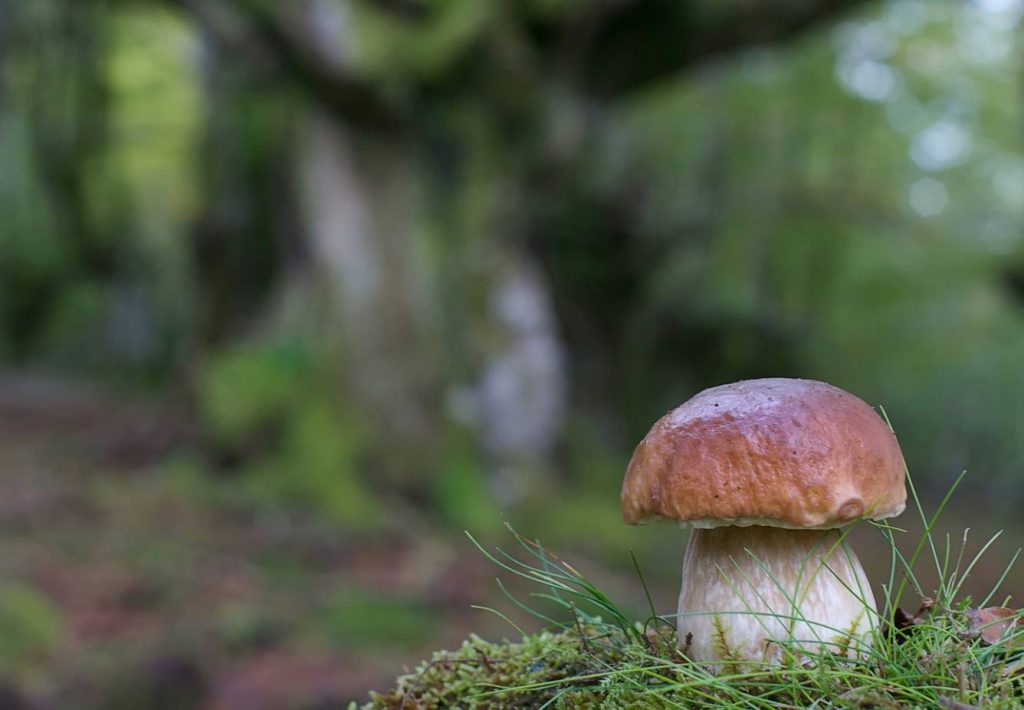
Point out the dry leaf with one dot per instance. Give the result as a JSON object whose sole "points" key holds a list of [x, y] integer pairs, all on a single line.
{"points": [[902, 622], [997, 624]]}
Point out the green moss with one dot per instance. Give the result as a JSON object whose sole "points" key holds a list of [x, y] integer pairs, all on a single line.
{"points": [[937, 663], [474, 675], [565, 670]]}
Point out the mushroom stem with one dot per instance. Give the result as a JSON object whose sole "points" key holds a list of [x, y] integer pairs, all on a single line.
{"points": [[756, 593]]}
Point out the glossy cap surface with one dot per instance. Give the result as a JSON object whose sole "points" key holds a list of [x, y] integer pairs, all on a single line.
{"points": [[778, 452]]}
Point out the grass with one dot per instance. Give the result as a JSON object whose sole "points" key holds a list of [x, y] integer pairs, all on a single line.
{"points": [[592, 654]]}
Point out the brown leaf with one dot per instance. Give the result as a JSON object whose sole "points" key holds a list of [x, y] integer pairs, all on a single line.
{"points": [[997, 624], [898, 626], [902, 622]]}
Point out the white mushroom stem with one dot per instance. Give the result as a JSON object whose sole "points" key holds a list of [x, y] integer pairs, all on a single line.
{"points": [[757, 593]]}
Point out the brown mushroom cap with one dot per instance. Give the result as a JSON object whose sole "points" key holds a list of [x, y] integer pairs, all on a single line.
{"points": [[778, 452]]}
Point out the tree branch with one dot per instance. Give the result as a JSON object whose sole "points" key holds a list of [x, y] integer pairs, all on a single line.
{"points": [[644, 41], [349, 98]]}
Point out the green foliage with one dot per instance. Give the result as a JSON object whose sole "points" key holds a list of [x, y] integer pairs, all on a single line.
{"points": [[391, 49], [460, 492], [30, 626], [764, 216], [777, 232], [274, 408], [362, 619], [156, 116], [98, 146], [316, 464], [251, 388], [67, 336]]}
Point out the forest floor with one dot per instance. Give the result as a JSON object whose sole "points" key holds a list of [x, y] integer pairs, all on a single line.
{"points": [[127, 581], [125, 586]]}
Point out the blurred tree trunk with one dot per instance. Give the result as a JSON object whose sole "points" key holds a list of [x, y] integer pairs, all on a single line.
{"points": [[426, 353], [359, 220], [358, 208]]}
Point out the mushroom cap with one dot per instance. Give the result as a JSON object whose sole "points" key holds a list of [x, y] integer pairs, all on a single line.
{"points": [[777, 452]]}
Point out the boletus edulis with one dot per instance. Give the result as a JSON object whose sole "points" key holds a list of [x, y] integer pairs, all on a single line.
{"points": [[767, 473]]}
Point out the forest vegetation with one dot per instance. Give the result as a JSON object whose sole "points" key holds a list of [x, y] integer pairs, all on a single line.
{"points": [[293, 294]]}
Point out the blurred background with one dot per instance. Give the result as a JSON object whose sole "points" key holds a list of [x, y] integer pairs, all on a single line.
{"points": [[291, 294]]}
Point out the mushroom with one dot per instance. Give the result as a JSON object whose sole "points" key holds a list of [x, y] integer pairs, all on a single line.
{"points": [[766, 472]]}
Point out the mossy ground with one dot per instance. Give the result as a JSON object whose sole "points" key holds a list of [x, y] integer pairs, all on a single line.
{"points": [[949, 654], [476, 674], [938, 659]]}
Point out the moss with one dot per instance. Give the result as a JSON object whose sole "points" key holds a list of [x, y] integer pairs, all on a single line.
{"points": [[482, 674], [933, 659], [594, 667], [586, 667]]}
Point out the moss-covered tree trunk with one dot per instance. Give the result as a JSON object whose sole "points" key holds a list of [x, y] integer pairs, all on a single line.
{"points": [[448, 333]]}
